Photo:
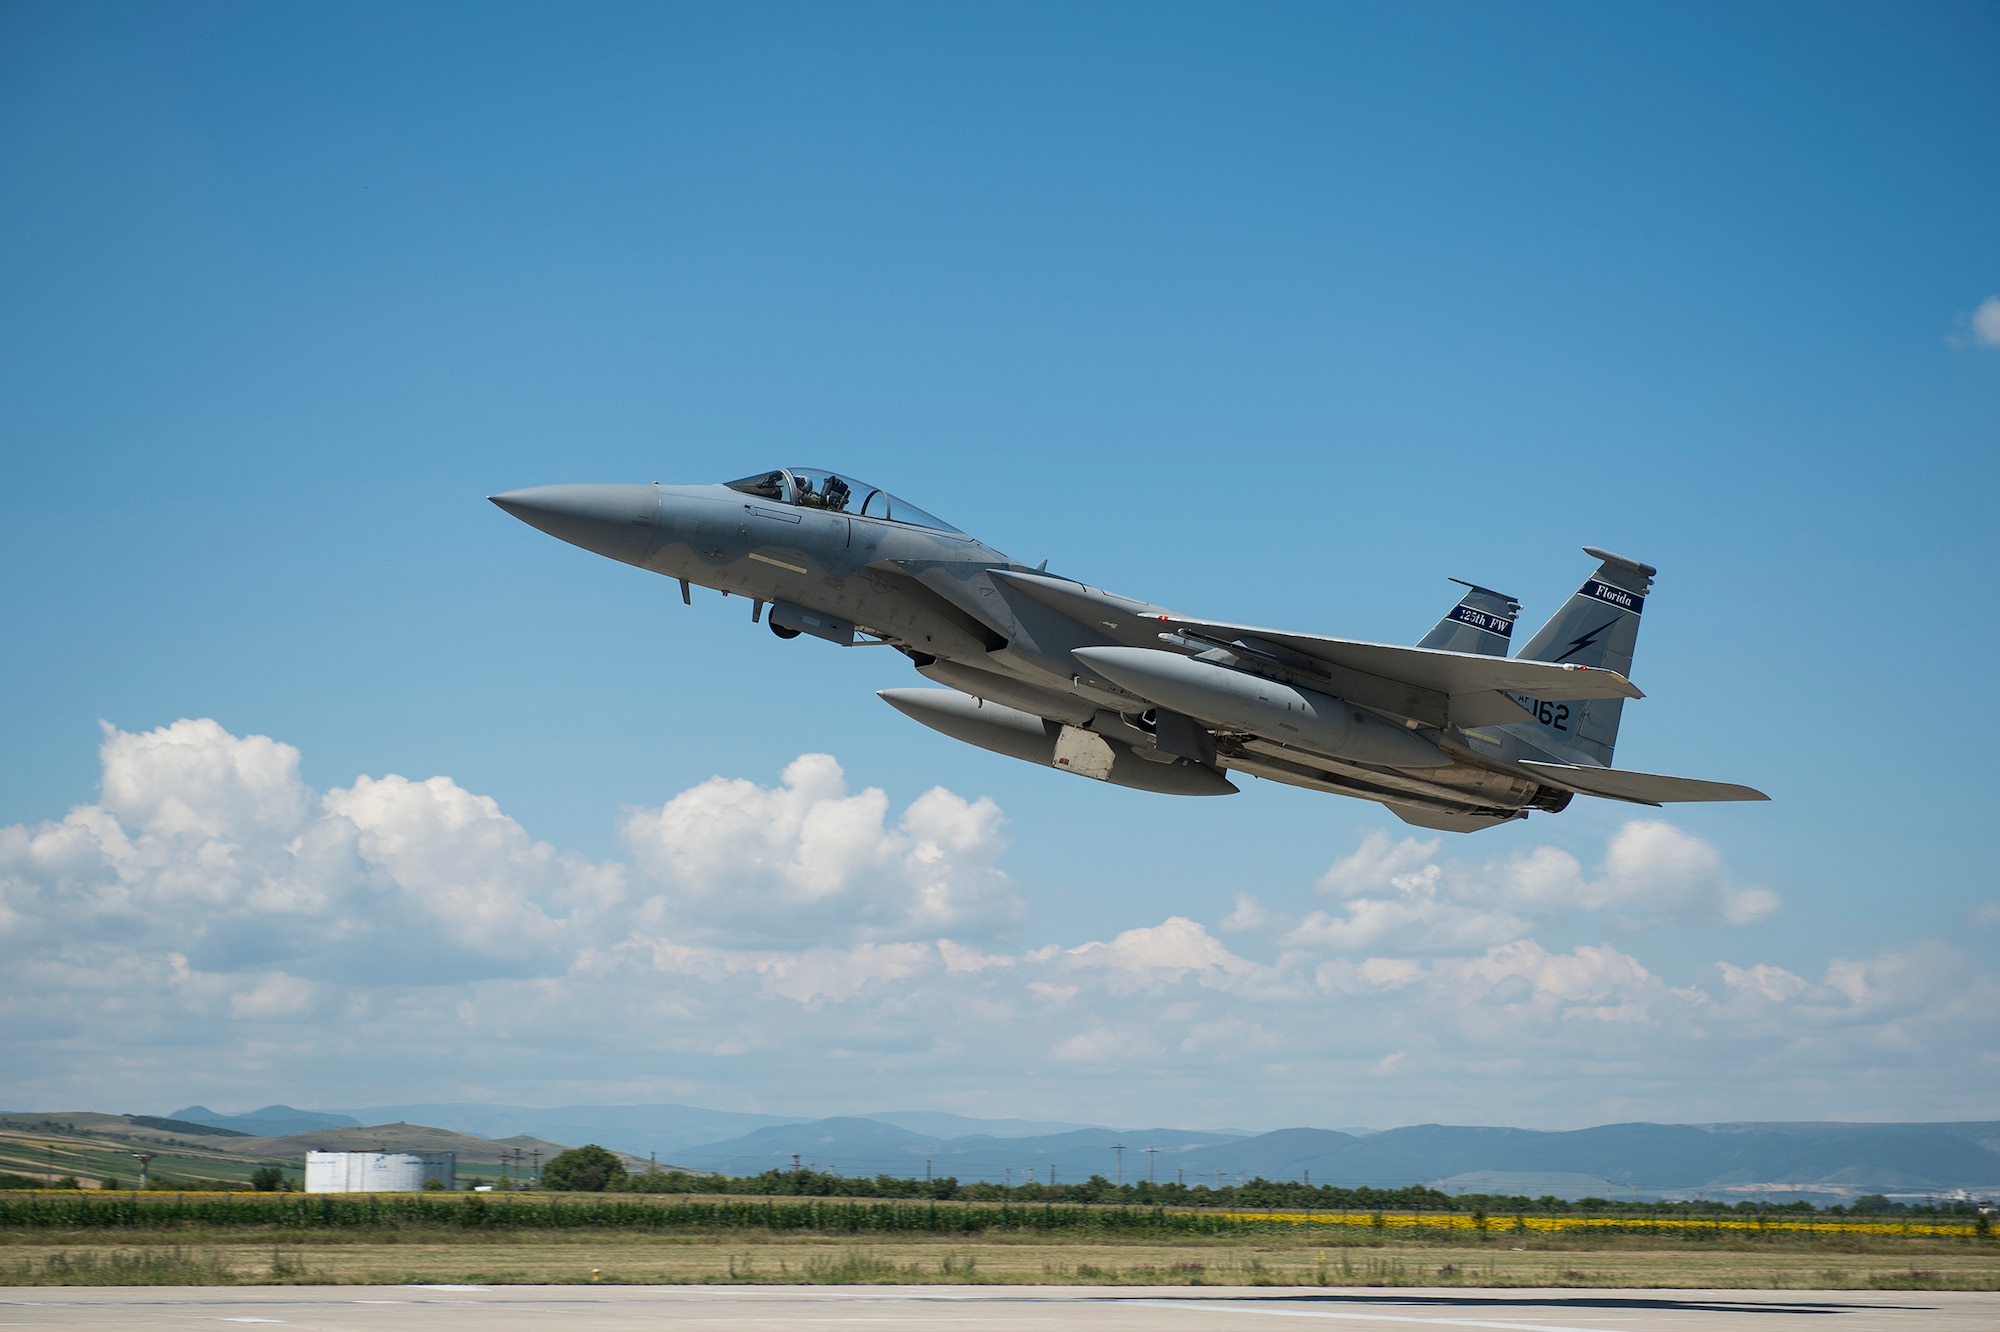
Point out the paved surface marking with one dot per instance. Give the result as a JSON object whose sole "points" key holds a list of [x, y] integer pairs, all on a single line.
{"points": [[989, 1308]]}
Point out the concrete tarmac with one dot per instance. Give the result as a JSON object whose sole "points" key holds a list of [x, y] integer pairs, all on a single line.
{"points": [[991, 1308]]}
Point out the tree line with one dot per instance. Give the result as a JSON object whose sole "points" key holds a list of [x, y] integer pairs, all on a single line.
{"points": [[593, 1169]]}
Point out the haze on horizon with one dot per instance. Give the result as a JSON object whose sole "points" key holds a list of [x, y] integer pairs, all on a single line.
{"points": [[327, 784]]}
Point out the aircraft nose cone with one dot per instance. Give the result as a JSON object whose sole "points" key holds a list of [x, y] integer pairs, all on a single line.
{"points": [[619, 522]]}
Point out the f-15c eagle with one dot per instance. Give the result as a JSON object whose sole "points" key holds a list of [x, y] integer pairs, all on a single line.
{"points": [[1451, 734]]}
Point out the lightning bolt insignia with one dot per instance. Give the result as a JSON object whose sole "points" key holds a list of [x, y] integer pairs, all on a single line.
{"points": [[1582, 641]]}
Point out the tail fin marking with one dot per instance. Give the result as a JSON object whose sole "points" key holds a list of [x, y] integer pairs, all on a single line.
{"points": [[1482, 622], [1599, 627]]}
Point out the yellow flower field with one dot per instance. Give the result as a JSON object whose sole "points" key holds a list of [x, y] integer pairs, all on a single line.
{"points": [[1421, 1221]]}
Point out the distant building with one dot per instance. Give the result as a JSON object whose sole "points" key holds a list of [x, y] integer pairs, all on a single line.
{"points": [[379, 1172]]}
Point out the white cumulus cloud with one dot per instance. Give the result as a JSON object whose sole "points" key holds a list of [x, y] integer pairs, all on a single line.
{"points": [[1655, 873], [210, 845], [1160, 954], [1402, 892], [1763, 980], [1986, 322], [212, 928], [807, 859]]}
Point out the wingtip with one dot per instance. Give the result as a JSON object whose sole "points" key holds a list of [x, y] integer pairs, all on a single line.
{"points": [[1626, 688]]}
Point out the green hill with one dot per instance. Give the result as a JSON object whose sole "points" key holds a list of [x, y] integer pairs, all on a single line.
{"points": [[42, 1147]]}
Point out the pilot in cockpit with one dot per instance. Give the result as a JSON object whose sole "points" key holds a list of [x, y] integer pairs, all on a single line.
{"points": [[832, 494]]}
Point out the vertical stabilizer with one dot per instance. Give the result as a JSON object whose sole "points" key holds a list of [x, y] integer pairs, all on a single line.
{"points": [[1482, 622], [1598, 627]]}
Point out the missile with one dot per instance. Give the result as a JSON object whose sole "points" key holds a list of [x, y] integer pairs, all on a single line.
{"points": [[1241, 701], [1068, 708], [1023, 735]]}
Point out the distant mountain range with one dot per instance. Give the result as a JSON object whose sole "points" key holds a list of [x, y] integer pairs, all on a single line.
{"points": [[641, 1130], [273, 1121], [1827, 1161], [1617, 1160]]}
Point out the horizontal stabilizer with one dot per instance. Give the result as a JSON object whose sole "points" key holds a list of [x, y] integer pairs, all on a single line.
{"points": [[1640, 788]]}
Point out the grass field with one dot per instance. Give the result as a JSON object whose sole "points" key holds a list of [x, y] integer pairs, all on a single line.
{"points": [[213, 1256]]}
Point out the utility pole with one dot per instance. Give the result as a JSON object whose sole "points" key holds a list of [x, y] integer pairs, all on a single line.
{"points": [[1151, 1152], [1119, 1148]]}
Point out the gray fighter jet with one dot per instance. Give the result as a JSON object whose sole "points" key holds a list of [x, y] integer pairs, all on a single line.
{"points": [[1451, 734]]}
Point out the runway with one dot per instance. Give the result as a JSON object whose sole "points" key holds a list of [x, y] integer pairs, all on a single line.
{"points": [[998, 1308]]}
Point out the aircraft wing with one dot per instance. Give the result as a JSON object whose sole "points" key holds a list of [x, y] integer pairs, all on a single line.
{"points": [[1639, 788], [1439, 674], [1455, 673]]}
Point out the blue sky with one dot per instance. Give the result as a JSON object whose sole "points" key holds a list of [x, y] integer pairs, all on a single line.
{"points": [[1282, 314]]}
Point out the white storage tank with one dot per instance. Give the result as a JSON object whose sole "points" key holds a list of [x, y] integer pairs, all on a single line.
{"points": [[379, 1172]]}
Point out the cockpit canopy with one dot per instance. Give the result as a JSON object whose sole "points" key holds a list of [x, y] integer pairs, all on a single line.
{"points": [[810, 488]]}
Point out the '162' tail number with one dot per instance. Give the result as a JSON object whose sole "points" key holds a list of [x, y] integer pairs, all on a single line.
{"points": [[1548, 714]]}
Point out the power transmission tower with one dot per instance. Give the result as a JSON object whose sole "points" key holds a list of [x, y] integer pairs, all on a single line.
{"points": [[1119, 1148], [1151, 1152]]}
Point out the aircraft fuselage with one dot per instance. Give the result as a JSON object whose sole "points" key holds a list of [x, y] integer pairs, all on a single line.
{"points": [[1069, 676]]}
